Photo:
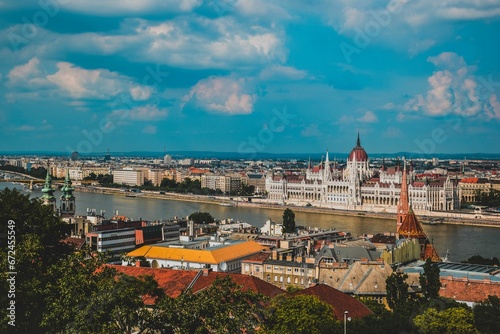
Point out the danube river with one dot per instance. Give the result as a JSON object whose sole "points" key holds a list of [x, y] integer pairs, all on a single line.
{"points": [[461, 241]]}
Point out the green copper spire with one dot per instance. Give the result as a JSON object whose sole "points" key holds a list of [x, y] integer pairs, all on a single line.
{"points": [[48, 191], [67, 189]]}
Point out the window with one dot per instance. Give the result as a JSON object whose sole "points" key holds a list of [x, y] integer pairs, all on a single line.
{"points": [[276, 278]]}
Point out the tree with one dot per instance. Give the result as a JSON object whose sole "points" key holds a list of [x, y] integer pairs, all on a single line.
{"points": [[300, 314], [397, 291], [487, 315], [201, 218], [38, 234], [288, 221], [224, 307], [91, 297], [478, 259], [429, 280], [458, 320]]}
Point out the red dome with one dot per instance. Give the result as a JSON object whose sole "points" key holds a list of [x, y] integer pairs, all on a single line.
{"points": [[358, 152]]}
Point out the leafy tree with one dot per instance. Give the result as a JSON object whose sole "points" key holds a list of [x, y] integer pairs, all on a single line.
{"points": [[201, 217], [300, 314], [90, 297], [288, 221], [458, 320], [37, 234], [429, 280], [487, 315], [397, 291], [224, 307], [478, 259]]}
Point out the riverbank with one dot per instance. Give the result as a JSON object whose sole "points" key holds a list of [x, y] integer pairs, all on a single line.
{"points": [[448, 218]]}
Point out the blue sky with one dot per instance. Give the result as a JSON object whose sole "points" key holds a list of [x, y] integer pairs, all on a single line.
{"points": [[250, 76]]}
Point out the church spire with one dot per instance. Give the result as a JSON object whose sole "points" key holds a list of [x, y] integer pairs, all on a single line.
{"points": [[403, 206], [48, 192], [358, 142], [67, 198]]}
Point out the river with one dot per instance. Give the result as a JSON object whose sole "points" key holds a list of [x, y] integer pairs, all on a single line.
{"points": [[460, 241]]}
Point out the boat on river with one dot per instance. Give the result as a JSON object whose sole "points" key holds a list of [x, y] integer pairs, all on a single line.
{"points": [[435, 221]]}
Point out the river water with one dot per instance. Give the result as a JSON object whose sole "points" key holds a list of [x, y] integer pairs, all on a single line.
{"points": [[460, 241]]}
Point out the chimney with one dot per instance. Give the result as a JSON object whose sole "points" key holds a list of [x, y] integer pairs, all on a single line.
{"points": [[206, 271], [137, 263]]}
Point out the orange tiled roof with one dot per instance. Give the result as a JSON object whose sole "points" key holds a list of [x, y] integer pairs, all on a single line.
{"points": [[411, 228], [339, 301], [468, 290], [208, 256], [173, 282]]}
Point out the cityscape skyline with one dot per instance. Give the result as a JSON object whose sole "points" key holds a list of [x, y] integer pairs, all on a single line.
{"points": [[249, 77]]}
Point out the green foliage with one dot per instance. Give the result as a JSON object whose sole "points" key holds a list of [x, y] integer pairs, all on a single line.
{"points": [[293, 289], [429, 280], [201, 218], [490, 198], [397, 292], [288, 221], [37, 247], [478, 259], [487, 315], [457, 320], [224, 307], [300, 314], [90, 297], [39, 172]]}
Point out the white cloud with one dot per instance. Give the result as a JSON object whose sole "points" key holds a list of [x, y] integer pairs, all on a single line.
{"points": [[368, 117], [141, 113], [223, 95], [453, 89], [130, 7], [66, 79], [282, 72]]}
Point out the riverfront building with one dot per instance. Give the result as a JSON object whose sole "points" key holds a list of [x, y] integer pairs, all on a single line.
{"points": [[359, 187]]}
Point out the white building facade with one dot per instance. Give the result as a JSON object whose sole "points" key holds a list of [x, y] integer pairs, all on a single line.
{"points": [[355, 188]]}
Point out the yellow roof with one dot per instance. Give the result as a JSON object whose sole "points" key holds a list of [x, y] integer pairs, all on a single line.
{"points": [[208, 256]]}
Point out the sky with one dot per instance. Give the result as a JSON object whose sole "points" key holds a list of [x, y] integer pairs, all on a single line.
{"points": [[249, 76]]}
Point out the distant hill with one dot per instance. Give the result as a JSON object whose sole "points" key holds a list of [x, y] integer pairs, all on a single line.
{"points": [[261, 155]]}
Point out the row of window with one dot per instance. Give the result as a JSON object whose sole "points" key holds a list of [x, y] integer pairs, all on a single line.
{"points": [[288, 280], [117, 237]]}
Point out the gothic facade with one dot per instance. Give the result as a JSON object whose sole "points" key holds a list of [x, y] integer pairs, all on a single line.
{"points": [[358, 187]]}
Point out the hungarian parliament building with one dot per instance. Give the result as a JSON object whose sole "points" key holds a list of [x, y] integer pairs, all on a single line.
{"points": [[358, 187]]}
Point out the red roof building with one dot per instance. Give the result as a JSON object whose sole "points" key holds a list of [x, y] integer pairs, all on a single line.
{"points": [[339, 301]]}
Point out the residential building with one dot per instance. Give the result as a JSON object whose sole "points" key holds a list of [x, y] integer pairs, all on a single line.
{"points": [[115, 242], [129, 176]]}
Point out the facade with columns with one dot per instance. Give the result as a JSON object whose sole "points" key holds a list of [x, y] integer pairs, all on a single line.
{"points": [[356, 188]]}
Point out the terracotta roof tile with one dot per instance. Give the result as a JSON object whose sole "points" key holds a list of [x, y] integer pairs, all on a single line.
{"points": [[468, 290], [339, 301]]}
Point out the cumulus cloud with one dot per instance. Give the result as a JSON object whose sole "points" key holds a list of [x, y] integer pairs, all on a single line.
{"points": [[368, 117], [223, 95], [130, 7], [453, 89], [282, 72], [66, 79]]}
